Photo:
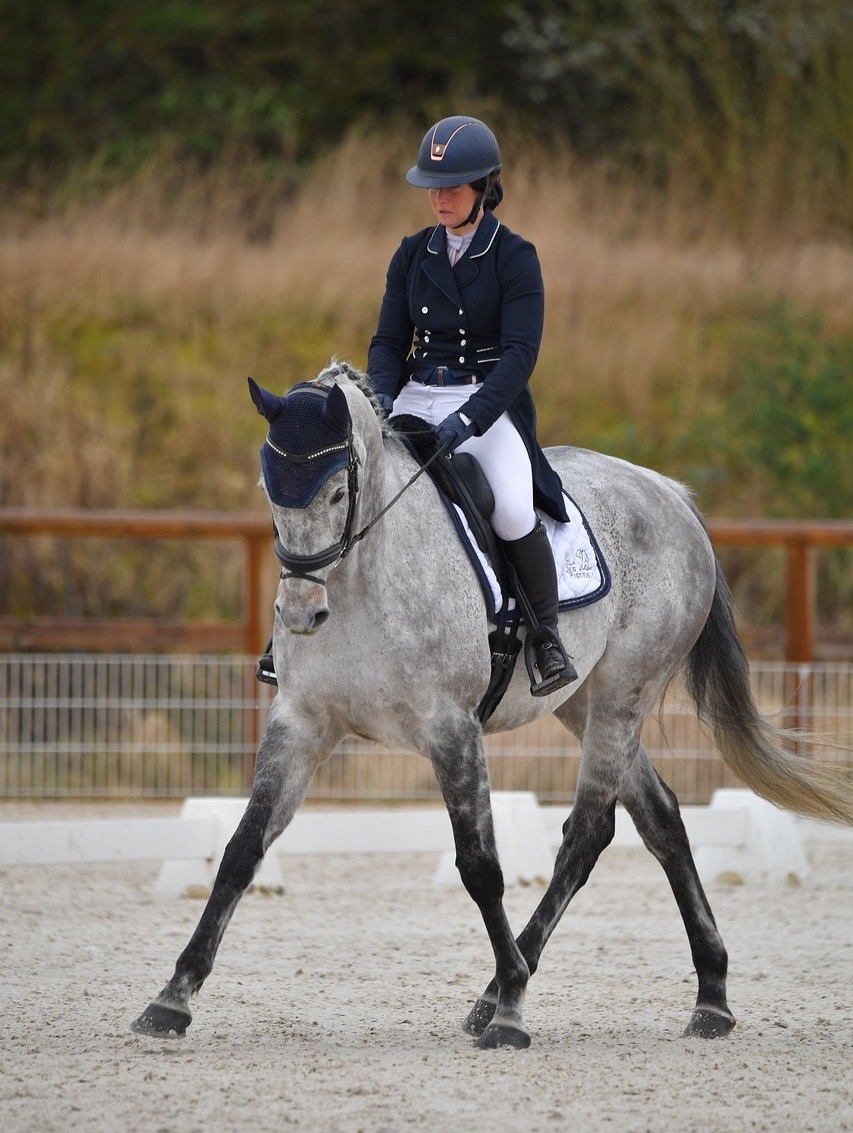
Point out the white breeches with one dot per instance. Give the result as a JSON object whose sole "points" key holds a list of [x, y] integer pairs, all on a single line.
{"points": [[500, 452]]}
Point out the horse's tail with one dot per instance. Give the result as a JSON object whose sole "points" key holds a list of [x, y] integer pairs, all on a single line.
{"points": [[763, 757]]}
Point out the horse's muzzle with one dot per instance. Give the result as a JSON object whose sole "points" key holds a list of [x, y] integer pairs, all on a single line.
{"points": [[302, 605]]}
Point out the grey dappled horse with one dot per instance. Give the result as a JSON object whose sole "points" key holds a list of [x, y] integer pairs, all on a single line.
{"points": [[403, 660]]}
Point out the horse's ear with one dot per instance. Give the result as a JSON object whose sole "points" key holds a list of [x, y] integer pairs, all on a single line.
{"points": [[336, 412], [266, 403]]}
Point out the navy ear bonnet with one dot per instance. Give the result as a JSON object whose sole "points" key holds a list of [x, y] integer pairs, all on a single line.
{"points": [[308, 440]]}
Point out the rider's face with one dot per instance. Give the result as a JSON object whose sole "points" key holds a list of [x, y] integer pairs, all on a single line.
{"points": [[452, 206]]}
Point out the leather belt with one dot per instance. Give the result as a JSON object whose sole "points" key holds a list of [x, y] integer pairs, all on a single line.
{"points": [[444, 376]]}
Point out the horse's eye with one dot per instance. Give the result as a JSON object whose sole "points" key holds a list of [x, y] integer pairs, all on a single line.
{"points": [[338, 496]]}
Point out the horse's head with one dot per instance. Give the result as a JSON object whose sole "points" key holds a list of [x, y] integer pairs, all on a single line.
{"points": [[309, 471]]}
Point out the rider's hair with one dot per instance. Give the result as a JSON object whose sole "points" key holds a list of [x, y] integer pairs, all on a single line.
{"points": [[491, 188], [489, 192]]}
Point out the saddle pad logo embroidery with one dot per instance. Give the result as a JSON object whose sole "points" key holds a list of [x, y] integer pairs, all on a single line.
{"points": [[582, 573]]}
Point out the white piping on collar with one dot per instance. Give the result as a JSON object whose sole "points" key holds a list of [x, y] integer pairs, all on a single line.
{"points": [[430, 249], [476, 255]]}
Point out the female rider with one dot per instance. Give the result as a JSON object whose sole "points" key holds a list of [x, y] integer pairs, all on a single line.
{"points": [[456, 342]]}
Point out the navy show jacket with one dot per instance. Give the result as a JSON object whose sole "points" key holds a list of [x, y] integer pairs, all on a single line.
{"points": [[484, 315]]}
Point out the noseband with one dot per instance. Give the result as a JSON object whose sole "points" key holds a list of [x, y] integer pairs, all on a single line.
{"points": [[299, 566]]}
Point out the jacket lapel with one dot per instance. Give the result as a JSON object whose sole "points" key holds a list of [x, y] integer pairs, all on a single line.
{"points": [[468, 267], [436, 264]]}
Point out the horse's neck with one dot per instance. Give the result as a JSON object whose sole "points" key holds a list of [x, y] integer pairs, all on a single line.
{"points": [[388, 471]]}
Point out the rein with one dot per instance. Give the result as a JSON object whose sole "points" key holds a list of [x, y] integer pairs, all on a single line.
{"points": [[438, 452], [298, 566]]}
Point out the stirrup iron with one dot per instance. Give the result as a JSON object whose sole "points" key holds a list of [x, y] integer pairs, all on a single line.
{"points": [[265, 671], [544, 684]]}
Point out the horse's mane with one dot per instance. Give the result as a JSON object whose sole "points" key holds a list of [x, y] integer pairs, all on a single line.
{"points": [[338, 371]]}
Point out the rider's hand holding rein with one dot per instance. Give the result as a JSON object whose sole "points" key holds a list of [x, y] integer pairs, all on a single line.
{"points": [[453, 430]]}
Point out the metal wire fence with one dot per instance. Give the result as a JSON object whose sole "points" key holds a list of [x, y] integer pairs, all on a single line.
{"points": [[135, 727]]}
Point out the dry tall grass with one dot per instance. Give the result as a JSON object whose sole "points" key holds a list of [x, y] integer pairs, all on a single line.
{"points": [[128, 325], [631, 278]]}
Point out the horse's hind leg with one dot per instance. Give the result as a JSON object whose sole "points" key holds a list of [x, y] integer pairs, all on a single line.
{"points": [[654, 810], [282, 776], [460, 767]]}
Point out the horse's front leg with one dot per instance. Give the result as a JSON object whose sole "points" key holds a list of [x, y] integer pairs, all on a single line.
{"points": [[609, 746], [460, 766], [283, 771]]}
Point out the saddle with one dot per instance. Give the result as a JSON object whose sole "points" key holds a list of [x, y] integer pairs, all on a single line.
{"points": [[462, 481]]}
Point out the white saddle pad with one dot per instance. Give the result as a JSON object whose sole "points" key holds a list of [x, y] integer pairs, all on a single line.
{"points": [[582, 575]]}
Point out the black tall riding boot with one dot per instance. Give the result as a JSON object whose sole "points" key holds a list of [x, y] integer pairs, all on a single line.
{"points": [[537, 576]]}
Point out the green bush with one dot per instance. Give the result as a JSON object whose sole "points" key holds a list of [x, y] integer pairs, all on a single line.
{"points": [[777, 429]]}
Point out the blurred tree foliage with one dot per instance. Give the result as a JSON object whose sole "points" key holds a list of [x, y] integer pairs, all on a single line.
{"points": [[756, 93], [80, 77]]}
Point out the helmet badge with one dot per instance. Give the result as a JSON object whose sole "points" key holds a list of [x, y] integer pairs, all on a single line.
{"points": [[437, 151]]}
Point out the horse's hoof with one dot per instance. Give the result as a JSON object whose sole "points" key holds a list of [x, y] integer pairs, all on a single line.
{"points": [[503, 1034], [479, 1017], [164, 1022], [709, 1023]]}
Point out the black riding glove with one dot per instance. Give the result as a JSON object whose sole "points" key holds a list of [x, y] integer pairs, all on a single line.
{"points": [[452, 431], [386, 403]]}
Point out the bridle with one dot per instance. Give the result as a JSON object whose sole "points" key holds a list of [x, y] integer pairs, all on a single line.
{"points": [[300, 566]]}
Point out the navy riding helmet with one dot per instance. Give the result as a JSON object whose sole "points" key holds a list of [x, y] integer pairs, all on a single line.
{"points": [[455, 151]]}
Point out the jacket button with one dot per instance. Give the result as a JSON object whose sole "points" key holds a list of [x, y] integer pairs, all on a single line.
{"points": [[461, 312], [462, 341], [461, 357], [425, 310]]}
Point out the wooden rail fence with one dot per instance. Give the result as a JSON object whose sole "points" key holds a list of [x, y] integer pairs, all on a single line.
{"points": [[801, 539]]}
